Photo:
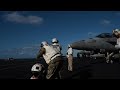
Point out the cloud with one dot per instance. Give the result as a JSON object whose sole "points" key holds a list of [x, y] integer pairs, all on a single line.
{"points": [[19, 18], [118, 13], [25, 52], [105, 22], [33, 50]]}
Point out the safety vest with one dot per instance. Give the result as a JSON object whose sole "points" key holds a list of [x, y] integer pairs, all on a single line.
{"points": [[70, 51], [57, 47], [50, 54], [118, 41]]}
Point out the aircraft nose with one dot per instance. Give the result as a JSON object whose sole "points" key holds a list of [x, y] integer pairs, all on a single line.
{"points": [[78, 45]]}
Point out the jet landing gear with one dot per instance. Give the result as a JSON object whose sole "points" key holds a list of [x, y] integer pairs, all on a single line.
{"points": [[108, 58], [109, 61]]}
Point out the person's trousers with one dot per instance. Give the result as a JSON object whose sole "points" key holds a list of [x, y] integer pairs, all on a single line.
{"points": [[70, 62], [54, 68]]}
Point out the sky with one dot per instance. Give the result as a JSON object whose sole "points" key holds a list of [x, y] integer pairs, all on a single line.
{"points": [[21, 32]]}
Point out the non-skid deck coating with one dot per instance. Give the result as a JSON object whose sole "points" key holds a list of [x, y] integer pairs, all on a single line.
{"points": [[83, 68]]}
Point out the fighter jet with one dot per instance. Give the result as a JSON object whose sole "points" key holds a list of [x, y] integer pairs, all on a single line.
{"points": [[102, 43], [97, 56], [84, 53]]}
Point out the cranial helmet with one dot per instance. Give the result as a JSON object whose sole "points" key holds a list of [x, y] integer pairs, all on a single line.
{"points": [[69, 45], [44, 43], [54, 40], [37, 67], [116, 30]]}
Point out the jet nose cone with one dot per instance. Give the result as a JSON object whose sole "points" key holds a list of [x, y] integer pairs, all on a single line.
{"points": [[73, 45], [78, 45]]}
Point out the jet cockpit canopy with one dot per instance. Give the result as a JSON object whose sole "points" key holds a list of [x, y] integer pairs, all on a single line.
{"points": [[105, 35]]}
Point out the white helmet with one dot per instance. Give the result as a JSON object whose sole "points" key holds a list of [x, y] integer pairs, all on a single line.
{"points": [[37, 67], [44, 43], [116, 30], [54, 40], [69, 45]]}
